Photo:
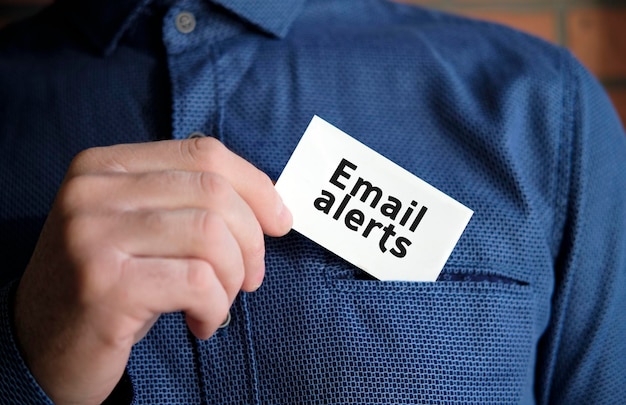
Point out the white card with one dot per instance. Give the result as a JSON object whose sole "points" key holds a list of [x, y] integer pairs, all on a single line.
{"points": [[368, 210]]}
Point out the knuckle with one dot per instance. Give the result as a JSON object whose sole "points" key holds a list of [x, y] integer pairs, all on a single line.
{"points": [[256, 248], [207, 153], [152, 220], [76, 193], [214, 186], [232, 278], [77, 233], [210, 224], [215, 232], [204, 282], [200, 276], [149, 181], [98, 159], [82, 161], [90, 265], [92, 281], [263, 180], [234, 281]]}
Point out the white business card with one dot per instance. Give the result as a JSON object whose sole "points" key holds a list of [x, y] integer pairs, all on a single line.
{"points": [[368, 210]]}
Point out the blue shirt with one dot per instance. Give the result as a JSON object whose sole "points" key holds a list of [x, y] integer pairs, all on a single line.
{"points": [[530, 307]]}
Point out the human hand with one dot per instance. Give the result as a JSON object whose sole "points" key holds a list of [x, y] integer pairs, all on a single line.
{"points": [[136, 231]]}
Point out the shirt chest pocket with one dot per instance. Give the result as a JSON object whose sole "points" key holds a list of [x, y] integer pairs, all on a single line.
{"points": [[463, 340]]}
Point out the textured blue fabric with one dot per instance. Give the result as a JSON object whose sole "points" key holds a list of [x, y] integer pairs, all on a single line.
{"points": [[530, 306]]}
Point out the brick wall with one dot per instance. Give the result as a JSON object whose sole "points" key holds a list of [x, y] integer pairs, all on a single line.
{"points": [[595, 30]]}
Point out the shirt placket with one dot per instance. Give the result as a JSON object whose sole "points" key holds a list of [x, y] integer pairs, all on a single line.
{"points": [[192, 31]]}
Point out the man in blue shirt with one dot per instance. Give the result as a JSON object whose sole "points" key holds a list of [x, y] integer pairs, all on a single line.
{"points": [[140, 286]]}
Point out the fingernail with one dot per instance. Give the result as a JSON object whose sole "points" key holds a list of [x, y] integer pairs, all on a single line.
{"points": [[283, 211], [285, 216], [256, 286]]}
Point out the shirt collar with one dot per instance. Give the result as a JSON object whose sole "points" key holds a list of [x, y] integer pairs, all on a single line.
{"points": [[105, 21]]}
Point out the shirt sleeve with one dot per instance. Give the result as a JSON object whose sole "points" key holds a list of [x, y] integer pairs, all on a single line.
{"points": [[582, 354], [17, 385]]}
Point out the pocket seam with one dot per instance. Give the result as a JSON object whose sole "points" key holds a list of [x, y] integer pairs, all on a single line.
{"points": [[354, 285]]}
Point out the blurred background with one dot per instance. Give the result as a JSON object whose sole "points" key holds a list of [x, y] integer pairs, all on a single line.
{"points": [[594, 30]]}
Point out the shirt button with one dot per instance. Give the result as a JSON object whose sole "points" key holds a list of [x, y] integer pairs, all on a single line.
{"points": [[185, 22], [226, 321], [196, 134]]}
